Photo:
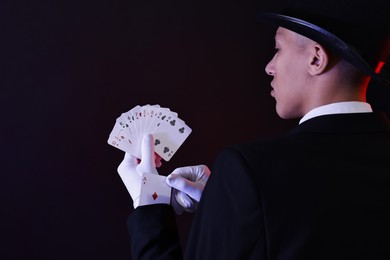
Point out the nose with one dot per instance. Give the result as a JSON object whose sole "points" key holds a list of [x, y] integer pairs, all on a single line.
{"points": [[269, 69]]}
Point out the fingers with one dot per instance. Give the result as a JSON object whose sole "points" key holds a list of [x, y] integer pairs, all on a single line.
{"points": [[187, 186], [157, 160], [183, 202], [193, 173], [148, 163], [176, 206], [178, 182], [186, 172], [190, 180]]}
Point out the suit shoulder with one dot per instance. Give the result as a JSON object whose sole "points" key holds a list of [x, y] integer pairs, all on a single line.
{"points": [[260, 146]]}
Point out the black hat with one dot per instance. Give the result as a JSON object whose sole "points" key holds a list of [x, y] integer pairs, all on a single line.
{"points": [[358, 31]]}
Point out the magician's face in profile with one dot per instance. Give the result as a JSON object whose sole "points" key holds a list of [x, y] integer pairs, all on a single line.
{"points": [[289, 69]]}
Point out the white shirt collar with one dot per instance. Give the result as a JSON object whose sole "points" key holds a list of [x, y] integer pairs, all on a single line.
{"points": [[338, 108]]}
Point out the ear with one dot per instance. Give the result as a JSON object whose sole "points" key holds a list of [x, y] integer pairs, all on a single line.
{"points": [[319, 60]]}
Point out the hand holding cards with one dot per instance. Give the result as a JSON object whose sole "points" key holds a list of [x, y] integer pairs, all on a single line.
{"points": [[168, 130], [140, 133]]}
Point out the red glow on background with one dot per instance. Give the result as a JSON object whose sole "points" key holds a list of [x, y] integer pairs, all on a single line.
{"points": [[379, 67]]}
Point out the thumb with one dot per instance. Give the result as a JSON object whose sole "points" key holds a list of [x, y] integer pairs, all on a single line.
{"points": [[178, 182], [147, 164], [184, 185]]}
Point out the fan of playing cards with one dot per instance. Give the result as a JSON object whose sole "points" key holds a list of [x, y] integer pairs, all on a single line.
{"points": [[168, 130]]}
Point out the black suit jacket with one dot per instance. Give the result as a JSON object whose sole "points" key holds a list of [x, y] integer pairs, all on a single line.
{"points": [[321, 191]]}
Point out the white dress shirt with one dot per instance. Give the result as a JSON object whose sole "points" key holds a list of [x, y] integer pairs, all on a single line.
{"points": [[338, 108]]}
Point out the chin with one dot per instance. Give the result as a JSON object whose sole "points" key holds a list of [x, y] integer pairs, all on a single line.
{"points": [[284, 114]]}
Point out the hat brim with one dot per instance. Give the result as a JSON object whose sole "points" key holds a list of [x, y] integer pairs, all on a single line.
{"points": [[323, 37]]}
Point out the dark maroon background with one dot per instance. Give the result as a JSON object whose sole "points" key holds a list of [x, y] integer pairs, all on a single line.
{"points": [[69, 68]]}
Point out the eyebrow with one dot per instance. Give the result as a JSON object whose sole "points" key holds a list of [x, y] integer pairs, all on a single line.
{"points": [[278, 37], [278, 34]]}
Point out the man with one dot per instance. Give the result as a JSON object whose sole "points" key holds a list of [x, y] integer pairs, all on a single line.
{"points": [[322, 191]]}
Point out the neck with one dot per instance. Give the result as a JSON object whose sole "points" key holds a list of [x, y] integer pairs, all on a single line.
{"points": [[325, 91]]}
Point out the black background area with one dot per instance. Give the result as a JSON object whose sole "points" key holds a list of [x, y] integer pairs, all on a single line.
{"points": [[70, 68]]}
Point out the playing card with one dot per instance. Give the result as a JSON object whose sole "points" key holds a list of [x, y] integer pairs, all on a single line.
{"points": [[143, 118], [154, 190], [168, 130], [119, 139], [169, 136], [133, 117], [129, 119], [127, 127], [163, 114], [149, 115]]}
